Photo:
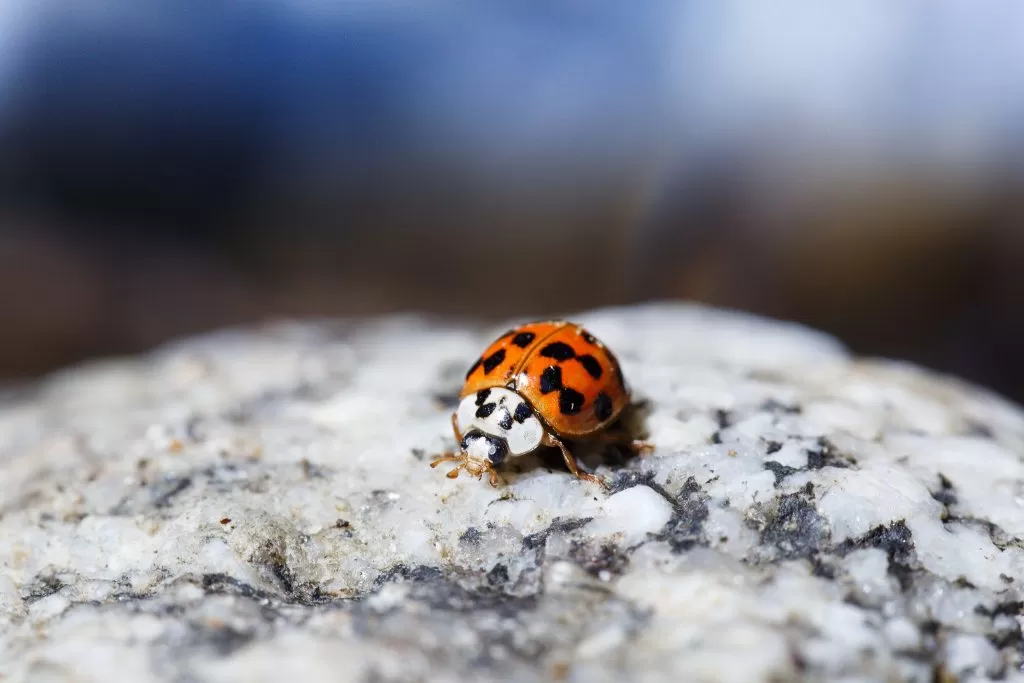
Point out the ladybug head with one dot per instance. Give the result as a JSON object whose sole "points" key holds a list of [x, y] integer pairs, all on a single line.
{"points": [[479, 453], [486, 449]]}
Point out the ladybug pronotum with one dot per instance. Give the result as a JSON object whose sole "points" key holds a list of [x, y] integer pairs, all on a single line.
{"points": [[534, 386]]}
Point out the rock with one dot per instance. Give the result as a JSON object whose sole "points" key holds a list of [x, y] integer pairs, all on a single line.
{"points": [[256, 504]]}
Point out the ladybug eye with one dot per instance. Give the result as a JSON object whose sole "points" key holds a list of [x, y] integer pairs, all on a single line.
{"points": [[496, 450]]}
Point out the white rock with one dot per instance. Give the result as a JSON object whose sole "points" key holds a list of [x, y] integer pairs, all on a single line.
{"points": [[633, 513], [256, 505], [971, 655]]}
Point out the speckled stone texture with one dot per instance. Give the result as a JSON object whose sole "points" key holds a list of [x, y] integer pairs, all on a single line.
{"points": [[257, 506]]}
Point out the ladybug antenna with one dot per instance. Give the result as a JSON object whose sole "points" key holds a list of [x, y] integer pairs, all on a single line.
{"points": [[463, 464]]}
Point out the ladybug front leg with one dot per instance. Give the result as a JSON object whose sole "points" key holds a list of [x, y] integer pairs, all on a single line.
{"points": [[571, 462]]}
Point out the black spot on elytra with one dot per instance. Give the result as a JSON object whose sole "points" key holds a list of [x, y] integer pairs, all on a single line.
{"points": [[591, 365], [482, 395], [473, 367], [560, 351], [587, 337], [603, 406], [494, 360], [685, 528], [505, 420], [486, 409], [794, 527], [523, 412], [550, 379], [523, 339], [570, 401]]}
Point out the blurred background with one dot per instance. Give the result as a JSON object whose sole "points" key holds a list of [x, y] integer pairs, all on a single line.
{"points": [[170, 168]]}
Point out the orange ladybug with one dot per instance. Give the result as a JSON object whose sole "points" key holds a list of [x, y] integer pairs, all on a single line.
{"points": [[534, 386]]}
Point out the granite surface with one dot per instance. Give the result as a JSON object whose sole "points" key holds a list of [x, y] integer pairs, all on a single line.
{"points": [[256, 505]]}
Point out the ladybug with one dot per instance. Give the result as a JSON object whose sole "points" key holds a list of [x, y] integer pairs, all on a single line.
{"points": [[534, 386]]}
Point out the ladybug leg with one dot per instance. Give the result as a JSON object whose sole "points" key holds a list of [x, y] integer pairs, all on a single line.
{"points": [[455, 429], [571, 462], [445, 457], [616, 438]]}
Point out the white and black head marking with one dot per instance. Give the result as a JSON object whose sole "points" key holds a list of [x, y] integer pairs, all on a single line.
{"points": [[496, 423]]}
